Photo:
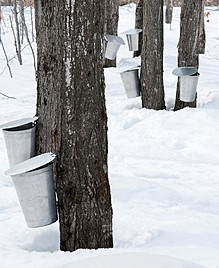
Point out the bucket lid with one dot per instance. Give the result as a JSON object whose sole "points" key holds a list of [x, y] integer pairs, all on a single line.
{"points": [[19, 122], [132, 31], [182, 71], [114, 39], [31, 164]]}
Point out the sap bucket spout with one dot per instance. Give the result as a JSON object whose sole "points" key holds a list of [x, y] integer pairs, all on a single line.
{"points": [[188, 78], [113, 45], [19, 136], [34, 185], [132, 36], [131, 82]]}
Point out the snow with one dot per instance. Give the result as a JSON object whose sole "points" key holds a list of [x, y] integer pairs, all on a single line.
{"points": [[163, 167]]}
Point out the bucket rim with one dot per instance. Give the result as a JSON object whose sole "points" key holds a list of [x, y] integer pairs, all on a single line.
{"points": [[130, 70], [114, 39], [31, 164], [19, 122], [132, 31], [185, 71]]}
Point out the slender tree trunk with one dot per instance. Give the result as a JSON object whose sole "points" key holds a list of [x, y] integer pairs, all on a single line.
{"points": [[72, 118], [152, 56], [169, 12], [188, 47], [22, 19], [18, 33], [139, 25], [111, 14]]}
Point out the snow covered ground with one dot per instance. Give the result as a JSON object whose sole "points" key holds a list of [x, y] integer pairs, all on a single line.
{"points": [[163, 167]]}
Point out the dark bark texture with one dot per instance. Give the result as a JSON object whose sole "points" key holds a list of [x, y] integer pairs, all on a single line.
{"points": [[152, 56], [72, 118], [139, 25], [188, 47], [202, 36]]}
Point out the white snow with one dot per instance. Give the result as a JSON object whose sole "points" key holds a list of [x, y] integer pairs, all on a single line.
{"points": [[163, 167]]}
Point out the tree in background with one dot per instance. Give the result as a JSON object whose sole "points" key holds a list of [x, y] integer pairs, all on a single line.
{"points": [[152, 56], [188, 47], [169, 12], [72, 118]]}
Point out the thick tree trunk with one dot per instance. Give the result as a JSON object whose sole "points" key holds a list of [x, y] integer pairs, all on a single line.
{"points": [[202, 36], [111, 14], [188, 47], [72, 118], [152, 56], [139, 25]]}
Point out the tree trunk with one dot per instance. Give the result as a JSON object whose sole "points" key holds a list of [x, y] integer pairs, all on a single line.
{"points": [[17, 32], [72, 118], [202, 36], [152, 56], [169, 12], [188, 47], [111, 14], [139, 25]]}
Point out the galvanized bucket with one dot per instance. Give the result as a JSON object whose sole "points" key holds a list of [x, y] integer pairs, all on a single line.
{"points": [[188, 86], [188, 82], [131, 82], [113, 45], [133, 38], [34, 184], [19, 138]]}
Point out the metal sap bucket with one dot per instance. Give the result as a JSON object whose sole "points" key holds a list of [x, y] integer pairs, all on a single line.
{"points": [[131, 82], [19, 138], [34, 185], [113, 45], [132, 36], [188, 78], [188, 86]]}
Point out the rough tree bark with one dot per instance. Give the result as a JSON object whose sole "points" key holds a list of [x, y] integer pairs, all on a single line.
{"points": [[188, 47], [202, 36], [152, 56], [139, 25], [72, 118], [111, 14]]}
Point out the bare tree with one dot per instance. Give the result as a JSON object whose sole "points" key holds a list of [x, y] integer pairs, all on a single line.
{"points": [[152, 56], [72, 117], [25, 31], [169, 12], [18, 40]]}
